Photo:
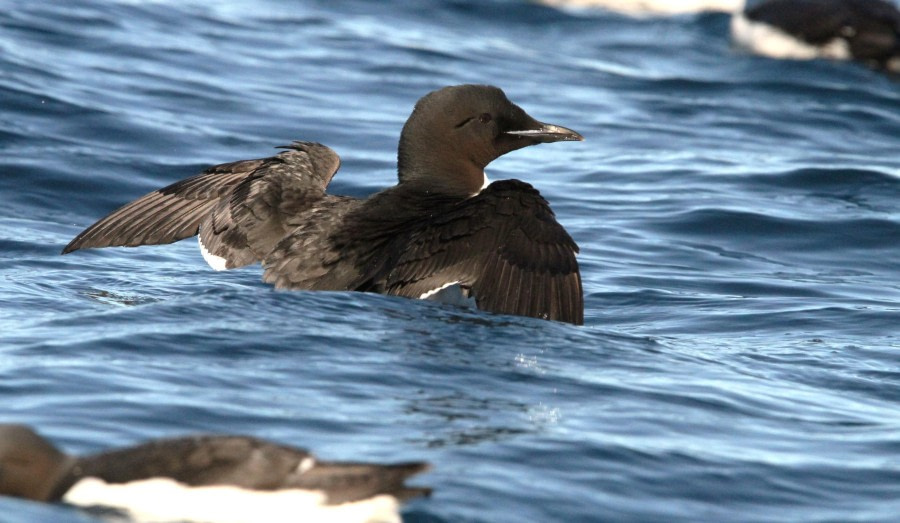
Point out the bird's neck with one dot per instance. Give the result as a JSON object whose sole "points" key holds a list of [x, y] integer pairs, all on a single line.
{"points": [[461, 179], [428, 163], [54, 481]]}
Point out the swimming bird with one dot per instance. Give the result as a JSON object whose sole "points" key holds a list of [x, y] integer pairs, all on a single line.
{"points": [[443, 232], [205, 478], [867, 31], [864, 30]]}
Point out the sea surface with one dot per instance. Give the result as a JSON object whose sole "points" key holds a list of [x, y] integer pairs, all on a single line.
{"points": [[738, 218]]}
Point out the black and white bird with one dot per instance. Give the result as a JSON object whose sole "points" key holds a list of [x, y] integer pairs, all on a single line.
{"points": [[222, 479], [867, 31], [443, 232]]}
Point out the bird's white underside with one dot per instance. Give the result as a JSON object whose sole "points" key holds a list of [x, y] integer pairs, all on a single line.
{"points": [[653, 7], [165, 500], [770, 41]]}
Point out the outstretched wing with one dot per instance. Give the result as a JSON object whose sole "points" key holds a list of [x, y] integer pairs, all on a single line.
{"points": [[505, 246], [165, 215], [237, 207]]}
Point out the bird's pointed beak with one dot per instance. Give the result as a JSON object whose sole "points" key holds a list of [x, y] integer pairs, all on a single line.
{"points": [[546, 133]]}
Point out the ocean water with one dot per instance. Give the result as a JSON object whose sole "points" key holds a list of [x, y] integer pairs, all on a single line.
{"points": [[738, 217]]}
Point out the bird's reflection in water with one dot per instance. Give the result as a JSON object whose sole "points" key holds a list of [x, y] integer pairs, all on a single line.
{"points": [[460, 419], [114, 298]]}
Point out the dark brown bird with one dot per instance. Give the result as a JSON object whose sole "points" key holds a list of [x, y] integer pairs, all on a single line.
{"points": [[442, 232]]}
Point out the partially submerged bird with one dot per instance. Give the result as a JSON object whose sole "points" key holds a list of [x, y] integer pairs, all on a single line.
{"points": [[205, 478], [867, 31], [442, 229]]}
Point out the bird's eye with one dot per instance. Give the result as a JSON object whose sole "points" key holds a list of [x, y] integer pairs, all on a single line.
{"points": [[483, 118]]}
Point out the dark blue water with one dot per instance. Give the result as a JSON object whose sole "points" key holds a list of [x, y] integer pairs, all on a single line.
{"points": [[739, 220]]}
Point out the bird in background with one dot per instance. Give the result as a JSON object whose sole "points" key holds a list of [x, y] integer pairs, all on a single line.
{"points": [[866, 31]]}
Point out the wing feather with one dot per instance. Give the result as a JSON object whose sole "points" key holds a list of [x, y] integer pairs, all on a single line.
{"points": [[160, 216], [243, 206], [505, 245]]}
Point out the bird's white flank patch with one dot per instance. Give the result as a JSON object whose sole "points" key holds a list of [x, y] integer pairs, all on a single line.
{"points": [[450, 293], [893, 64], [767, 40], [162, 499], [433, 292], [305, 464], [485, 184], [218, 263]]}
